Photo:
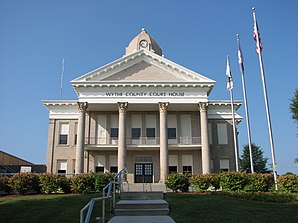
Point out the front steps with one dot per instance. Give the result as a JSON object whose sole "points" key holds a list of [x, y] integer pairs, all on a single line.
{"points": [[144, 187], [142, 207], [141, 219], [157, 195]]}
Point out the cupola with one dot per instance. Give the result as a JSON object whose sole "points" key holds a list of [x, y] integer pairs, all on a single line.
{"points": [[143, 41]]}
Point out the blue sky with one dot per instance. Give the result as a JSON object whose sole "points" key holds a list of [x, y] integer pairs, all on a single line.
{"points": [[35, 36]]}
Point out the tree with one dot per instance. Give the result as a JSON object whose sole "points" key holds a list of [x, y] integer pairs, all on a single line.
{"points": [[294, 106], [259, 161], [294, 110]]}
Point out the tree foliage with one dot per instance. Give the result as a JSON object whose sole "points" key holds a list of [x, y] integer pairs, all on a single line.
{"points": [[259, 161], [294, 106]]}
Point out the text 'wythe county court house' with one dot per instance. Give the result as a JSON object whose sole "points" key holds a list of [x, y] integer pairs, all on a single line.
{"points": [[142, 112]]}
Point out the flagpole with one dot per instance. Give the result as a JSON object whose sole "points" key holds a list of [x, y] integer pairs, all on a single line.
{"points": [[61, 80], [230, 87], [241, 67], [259, 50]]}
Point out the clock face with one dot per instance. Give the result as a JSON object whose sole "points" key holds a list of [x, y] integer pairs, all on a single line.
{"points": [[143, 43]]}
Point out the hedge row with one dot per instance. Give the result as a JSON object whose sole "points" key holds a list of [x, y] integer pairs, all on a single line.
{"points": [[232, 181], [28, 183]]}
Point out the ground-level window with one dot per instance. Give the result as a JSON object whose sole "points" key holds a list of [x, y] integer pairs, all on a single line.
{"points": [[99, 169], [61, 166], [100, 163], [187, 169], [224, 165], [113, 169], [173, 169]]}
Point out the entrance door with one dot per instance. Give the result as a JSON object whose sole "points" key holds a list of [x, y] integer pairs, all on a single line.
{"points": [[143, 173]]}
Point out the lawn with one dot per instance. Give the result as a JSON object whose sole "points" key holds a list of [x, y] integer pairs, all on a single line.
{"points": [[45, 208], [185, 208]]}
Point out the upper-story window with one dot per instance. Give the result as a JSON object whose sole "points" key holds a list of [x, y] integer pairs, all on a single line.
{"points": [[114, 121], [172, 133], [172, 128], [222, 133], [150, 132], [76, 134], [114, 133], [135, 133], [136, 125], [63, 134]]}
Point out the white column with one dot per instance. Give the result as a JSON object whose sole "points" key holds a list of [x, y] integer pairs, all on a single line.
{"points": [[204, 138], [81, 138], [164, 159], [122, 106]]}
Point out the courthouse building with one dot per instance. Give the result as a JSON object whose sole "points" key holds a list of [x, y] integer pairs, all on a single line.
{"points": [[143, 112]]}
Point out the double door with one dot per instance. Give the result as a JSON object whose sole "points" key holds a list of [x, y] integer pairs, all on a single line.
{"points": [[143, 173]]}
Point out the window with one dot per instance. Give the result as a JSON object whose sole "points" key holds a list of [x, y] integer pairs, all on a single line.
{"points": [[150, 132], [76, 134], [135, 133], [99, 169], [172, 169], [187, 163], [100, 162], [113, 169], [187, 169], [61, 166], [210, 133], [63, 136], [222, 133], [171, 133], [114, 132], [224, 165]]}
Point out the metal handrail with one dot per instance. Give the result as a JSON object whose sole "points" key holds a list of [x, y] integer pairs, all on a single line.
{"points": [[111, 187]]}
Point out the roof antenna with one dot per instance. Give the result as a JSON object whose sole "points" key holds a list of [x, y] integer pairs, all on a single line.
{"points": [[61, 80]]}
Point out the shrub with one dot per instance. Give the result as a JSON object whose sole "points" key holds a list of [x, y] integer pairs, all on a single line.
{"points": [[232, 181], [64, 184], [5, 185], [259, 182], [84, 183], [102, 179], [201, 182], [24, 183], [288, 183], [177, 181], [49, 183]]}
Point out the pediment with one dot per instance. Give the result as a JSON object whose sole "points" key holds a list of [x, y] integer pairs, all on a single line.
{"points": [[144, 71], [142, 66]]}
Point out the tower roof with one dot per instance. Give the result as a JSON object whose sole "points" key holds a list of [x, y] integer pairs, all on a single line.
{"points": [[143, 41]]}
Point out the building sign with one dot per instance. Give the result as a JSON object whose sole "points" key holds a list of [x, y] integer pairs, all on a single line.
{"points": [[145, 94], [25, 169]]}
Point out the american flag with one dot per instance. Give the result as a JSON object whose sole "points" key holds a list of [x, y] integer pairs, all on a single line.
{"points": [[257, 38]]}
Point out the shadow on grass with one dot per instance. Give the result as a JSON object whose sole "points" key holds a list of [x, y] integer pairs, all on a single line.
{"points": [[187, 208], [45, 208]]}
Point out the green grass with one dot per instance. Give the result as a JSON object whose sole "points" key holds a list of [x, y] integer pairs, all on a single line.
{"points": [[45, 208], [187, 208]]}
